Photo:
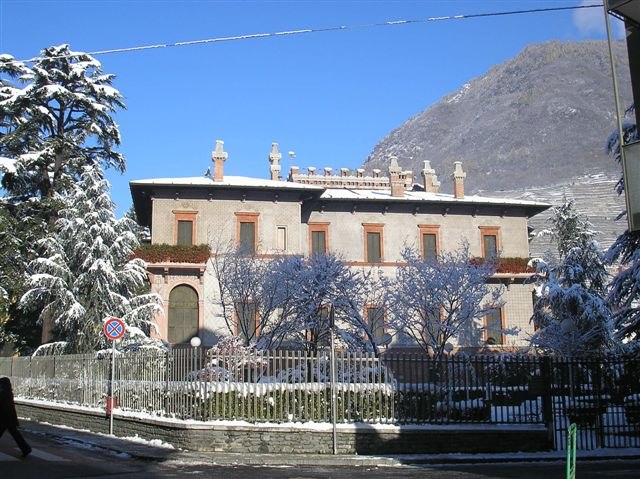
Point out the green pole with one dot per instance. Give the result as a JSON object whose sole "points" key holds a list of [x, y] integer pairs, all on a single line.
{"points": [[571, 451]]}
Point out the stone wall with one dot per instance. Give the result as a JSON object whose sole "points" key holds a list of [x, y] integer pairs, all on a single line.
{"points": [[296, 439]]}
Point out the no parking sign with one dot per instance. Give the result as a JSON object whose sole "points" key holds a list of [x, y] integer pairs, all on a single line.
{"points": [[114, 328]]}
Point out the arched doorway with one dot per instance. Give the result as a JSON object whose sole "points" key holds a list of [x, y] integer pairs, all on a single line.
{"points": [[183, 314]]}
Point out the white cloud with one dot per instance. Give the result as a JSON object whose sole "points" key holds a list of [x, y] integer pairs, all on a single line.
{"points": [[590, 21]]}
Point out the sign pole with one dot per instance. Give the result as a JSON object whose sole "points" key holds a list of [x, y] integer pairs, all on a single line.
{"points": [[114, 329], [113, 365]]}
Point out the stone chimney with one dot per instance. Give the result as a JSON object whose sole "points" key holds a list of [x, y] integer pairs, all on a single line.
{"points": [[397, 183], [327, 171], [458, 180], [274, 160], [429, 178], [219, 156]]}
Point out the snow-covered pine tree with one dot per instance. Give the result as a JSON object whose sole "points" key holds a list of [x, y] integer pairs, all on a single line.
{"points": [[55, 118], [570, 312], [624, 292], [434, 302], [85, 273]]}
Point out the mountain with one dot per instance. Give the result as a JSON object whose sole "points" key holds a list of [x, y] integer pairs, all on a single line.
{"points": [[536, 122]]}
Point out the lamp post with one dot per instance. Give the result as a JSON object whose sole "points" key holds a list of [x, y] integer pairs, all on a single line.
{"points": [[334, 399]]}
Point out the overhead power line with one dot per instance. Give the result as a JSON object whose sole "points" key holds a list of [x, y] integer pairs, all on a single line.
{"points": [[329, 29]]}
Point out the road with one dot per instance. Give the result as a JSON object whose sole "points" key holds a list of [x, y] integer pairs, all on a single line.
{"points": [[55, 458]]}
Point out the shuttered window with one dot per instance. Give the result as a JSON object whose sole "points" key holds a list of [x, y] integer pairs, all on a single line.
{"points": [[490, 246], [493, 327], [318, 242], [429, 246], [246, 321], [490, 241], [247, 237], [185, 232], [184, 227], [374, 250], [247, 232], [375, 319]]}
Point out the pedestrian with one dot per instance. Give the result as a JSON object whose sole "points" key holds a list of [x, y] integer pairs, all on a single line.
{"points": [[9, 417]]}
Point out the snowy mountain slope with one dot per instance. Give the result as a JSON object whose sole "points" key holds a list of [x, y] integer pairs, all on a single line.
{"points": [[536, 122]]}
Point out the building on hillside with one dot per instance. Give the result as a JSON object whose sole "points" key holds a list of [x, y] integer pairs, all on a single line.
{"points": [[366, 219]]}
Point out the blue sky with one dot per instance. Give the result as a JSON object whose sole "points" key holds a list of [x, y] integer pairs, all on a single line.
{"points": [[329, 97]]}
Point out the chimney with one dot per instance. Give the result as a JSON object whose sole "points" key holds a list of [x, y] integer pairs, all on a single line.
{"points": [[311, 170], [274, 160], [397, 183], [458, 180], [360, 172], [219, 156], [327, 171], [429, 178], [344, 172], [376, 173]]}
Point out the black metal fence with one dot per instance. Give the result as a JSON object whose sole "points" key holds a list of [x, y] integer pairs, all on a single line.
{"points": [[602, 396]]}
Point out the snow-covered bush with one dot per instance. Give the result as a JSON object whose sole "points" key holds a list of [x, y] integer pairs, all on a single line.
{"points": [[231, 359], [57, 348]]}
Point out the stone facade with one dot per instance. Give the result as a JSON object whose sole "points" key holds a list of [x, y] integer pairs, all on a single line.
{"points": [[344, 207]]}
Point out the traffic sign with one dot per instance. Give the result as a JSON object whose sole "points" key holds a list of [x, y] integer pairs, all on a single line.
{"points": [[114, 328]]}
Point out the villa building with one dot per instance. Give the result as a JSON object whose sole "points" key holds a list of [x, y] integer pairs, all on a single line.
{"points": [[367, 219]]}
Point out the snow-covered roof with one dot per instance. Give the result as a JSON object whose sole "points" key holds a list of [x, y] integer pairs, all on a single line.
{"points": [[319, 192], [422, 196], [335, 193], [237, 181]]}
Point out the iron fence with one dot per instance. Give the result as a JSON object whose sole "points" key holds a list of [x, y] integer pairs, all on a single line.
{"points": [[602, 396]]}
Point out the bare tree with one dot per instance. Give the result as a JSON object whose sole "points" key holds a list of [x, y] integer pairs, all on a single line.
{"points": [[433, 302]]}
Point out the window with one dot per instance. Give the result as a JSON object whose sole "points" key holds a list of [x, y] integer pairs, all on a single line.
{"points": [[184, 227], [281, 238], [375, 320], [429, 236], [318, 238], [246, 325], [490, 241], [320, 333], [494, 328], [247, 232], [373, 245], [185, 232]]}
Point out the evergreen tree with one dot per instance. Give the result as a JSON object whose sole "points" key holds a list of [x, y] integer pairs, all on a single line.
{"points": [[85, 274], [624, 293], [55, 118], [570, 312], [57, 123]]}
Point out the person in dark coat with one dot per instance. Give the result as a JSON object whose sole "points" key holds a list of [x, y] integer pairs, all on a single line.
{"points": [[9, 417]]}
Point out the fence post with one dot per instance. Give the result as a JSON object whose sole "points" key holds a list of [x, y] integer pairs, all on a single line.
{"points": [[547, 399]]}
